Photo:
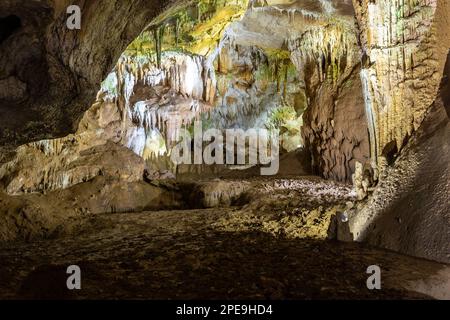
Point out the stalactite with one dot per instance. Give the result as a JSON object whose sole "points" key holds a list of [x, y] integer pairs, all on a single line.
{"points": [[158, 35], [326, 48], [286, 67], [188, 75], [277, 75], [177, 31]]}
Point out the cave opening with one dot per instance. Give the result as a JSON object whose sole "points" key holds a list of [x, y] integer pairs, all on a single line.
{"points": [[9, 25]]}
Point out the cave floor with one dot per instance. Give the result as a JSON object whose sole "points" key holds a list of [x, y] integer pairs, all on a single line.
{"points": [[187, 255]]}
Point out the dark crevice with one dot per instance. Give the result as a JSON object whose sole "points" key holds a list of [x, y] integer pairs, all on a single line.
{"points": [[8, 26], [390, 152], [445, 86]]}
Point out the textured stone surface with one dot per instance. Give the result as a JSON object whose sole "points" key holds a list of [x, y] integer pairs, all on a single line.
{"points": [[335, 125], [274, 247], [405, 80], [12, 88], [404, 45], [36, 216], [410, 209]]}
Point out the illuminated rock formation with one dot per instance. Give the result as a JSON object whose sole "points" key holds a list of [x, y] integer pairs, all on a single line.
{"points": [[335, 125], [404, 45]]}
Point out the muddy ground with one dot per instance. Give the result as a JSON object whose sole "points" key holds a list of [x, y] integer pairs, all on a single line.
{"points": [[264, 244]]}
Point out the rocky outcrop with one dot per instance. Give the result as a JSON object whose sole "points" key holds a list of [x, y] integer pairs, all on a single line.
{"points": [[409, 211], [36, 216], [59, 164]]}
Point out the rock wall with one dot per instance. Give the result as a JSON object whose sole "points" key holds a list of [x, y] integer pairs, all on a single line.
{"points": [[336, 130], [335, 125], [404, 45], [405, 82], [409, 211]]}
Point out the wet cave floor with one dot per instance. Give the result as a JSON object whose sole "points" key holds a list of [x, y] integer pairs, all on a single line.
{"points": [[218, 253]]}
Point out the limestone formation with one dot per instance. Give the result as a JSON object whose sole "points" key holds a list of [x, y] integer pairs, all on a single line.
{"points": [[404, 45], [335, 126]]}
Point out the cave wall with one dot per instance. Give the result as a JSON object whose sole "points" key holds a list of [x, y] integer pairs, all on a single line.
{"points": [[404, 46], [334, 124], [49, 75], [335, 128], [407, 82], [409, 211]]}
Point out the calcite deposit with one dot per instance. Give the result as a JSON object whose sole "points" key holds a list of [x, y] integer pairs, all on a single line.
{"points": [[404, 44]]}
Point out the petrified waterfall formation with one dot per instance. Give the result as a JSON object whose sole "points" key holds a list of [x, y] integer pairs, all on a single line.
{"points": [[404, 45]]}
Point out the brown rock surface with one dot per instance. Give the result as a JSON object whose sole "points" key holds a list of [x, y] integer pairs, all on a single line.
{"points": [[335, 124], [181, 255], [410, 209]]}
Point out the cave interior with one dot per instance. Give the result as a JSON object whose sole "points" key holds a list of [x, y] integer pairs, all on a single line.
{"points": [[225, 149]]}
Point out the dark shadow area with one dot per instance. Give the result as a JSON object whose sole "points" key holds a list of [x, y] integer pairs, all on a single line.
{"points": [[8, 26], [445, 86], [207, 265], [390, 152]]}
